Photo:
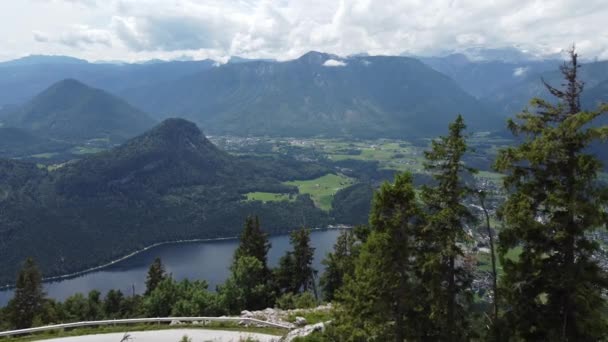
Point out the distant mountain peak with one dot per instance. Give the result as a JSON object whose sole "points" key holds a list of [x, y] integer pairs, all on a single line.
{"points": [[44, 59], [70, 82], [71, 110], [176, 135], [177, 127], [316, 57]]}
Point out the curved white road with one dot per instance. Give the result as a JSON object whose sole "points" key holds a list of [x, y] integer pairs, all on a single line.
{"points": [[172, 335]]}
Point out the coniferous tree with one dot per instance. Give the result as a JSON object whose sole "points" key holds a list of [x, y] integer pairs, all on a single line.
{"points": [[295, 272], [284, 274], [303, 255], [29, 297], [253, 242], [250, 285], [554, 289], [338, 264], [156, 274], [381, 301], [246, 288], [112, 305], [449, 282], [495, 293], [94, 306]]}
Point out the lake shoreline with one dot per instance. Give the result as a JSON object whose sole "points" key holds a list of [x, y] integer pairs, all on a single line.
{"points": [[154, 245]]}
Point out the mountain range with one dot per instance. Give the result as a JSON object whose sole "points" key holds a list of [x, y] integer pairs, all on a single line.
{"points": [[317, 94]]}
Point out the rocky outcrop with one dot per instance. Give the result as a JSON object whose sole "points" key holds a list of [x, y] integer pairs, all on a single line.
{"points": [[304, 331]]}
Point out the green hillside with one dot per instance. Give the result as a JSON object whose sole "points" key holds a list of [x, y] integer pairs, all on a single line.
{"points": [[170, 183]]}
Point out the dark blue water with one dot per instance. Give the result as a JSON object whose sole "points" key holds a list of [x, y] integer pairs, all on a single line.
{"points": [[193, 260]]}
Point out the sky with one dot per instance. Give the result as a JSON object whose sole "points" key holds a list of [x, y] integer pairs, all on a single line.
{"points": [[136, 30]]}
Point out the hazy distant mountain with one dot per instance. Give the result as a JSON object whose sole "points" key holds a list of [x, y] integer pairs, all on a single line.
{"points": [[70, 110], [510, 100], [16, 142], [596, 95], [317, 94], [42, 59], [169, 183], [22, 79], [237, 59], [483, 77]]}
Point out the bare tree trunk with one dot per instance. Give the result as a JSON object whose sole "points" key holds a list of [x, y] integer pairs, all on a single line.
{"points": [[494, 272]]}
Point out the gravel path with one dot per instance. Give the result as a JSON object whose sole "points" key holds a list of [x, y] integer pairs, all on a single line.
{"points": [[173, 335]]}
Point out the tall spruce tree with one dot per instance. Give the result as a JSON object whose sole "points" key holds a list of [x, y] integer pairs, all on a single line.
{"points": [[253, 242], [295, 272], [156, 274], [554, 289], [29, 297], [338, 264], [303, 255], [382, 300], [250, 285], [449, 282]]}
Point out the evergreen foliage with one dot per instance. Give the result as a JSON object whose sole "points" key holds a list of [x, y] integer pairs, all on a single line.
{"points": [[381, 301], [248, 286], [29, 297], [447, 279], [251, 285], [156, 274], [295, 273], [338, 264], [253, 242], [555, 290]]}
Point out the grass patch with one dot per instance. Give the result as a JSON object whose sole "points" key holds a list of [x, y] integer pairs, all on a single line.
{"points": [[86, 150], [323, 189], [141, 327], [312, 317], [493, 176], [44, 155], [484, 262], [270, 197]]}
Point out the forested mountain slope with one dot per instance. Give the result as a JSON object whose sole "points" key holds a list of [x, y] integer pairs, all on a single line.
{"points": [[170, 183], [317, 94]]}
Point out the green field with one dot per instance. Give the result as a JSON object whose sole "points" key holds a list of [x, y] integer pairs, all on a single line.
{"points": [[44, 155], [86, 150], [323, 189], [396, 155], [269, 197], [484, 261]]}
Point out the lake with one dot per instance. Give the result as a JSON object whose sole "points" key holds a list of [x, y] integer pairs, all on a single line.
{"points": [[208, 260]]}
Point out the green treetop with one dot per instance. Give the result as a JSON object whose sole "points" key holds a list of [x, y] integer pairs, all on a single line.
{"points": [[448, 280], [338, 264], [29, 297], [156, 274], [381, 301], [553, 291], [253, 242]]}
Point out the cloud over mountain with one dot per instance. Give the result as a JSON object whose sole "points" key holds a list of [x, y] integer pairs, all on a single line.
{"points": [[286, 29]]}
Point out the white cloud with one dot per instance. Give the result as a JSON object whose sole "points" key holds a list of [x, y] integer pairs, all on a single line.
{"points": [[139, 29], [520, 72], [334, 63], [81, 36], [40, 36]]}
